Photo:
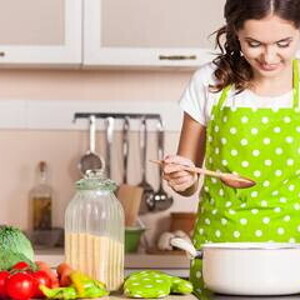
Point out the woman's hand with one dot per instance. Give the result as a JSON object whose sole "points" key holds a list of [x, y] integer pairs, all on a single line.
{"points": [[177, 178]]}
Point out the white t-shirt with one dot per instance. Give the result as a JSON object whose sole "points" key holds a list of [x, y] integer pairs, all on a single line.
{"points": [[197, 100]]}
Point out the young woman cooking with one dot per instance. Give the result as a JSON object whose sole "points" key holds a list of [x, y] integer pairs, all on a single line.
{"points": [[242, 114]]}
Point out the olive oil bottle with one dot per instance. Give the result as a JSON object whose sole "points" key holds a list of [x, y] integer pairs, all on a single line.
{"points": [[41, 201]]}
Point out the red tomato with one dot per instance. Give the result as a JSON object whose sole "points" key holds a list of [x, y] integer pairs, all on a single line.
{"points": [[53, 277], [21, 265], [3, 277], [45, 267], [41, 277], [20, 286]]}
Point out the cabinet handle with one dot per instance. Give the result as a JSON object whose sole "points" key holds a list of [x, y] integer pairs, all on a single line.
{"points": [[2, 54], [177, 57]]}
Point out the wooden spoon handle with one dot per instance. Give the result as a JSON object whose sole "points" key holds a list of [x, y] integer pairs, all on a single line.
{"points": [[193, 169]]}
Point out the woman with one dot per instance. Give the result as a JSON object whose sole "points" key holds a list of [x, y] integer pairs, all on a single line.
{"points": [[242, 114]]}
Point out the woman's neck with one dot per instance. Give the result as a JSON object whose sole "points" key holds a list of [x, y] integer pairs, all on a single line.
{"points": [[273, 86]]}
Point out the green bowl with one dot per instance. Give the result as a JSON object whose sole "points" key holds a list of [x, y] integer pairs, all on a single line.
{"points": [[132, 238]]}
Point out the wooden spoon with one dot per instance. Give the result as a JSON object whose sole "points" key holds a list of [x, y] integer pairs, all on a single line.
{"points": [[229, 179]]}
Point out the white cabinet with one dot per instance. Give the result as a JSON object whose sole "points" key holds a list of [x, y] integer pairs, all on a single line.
{"points": [[149, 33], [35, 32]]}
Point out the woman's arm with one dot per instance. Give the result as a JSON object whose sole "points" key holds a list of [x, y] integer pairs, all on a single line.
{"points": [[191, 151], [192, 140]]}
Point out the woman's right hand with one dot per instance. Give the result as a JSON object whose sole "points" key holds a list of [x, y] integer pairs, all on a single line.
{"points": [[177, 178]]}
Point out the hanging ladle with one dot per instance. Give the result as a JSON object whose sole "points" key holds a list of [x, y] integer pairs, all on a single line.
{"points": [[229, 179], [160, 200], [91, 160]]}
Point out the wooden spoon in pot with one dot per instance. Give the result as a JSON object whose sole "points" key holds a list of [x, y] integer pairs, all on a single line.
{"points": [[229, 179]]}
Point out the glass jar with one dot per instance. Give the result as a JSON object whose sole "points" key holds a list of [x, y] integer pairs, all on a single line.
{"points": [[94, 230]]}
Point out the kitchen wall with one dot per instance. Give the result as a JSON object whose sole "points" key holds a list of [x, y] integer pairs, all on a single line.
{"points": [[21, 149]]}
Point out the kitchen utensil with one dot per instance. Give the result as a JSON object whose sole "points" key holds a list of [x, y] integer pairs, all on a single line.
{"points": [[160, 200], [148, 191], [109, 122], [91, 160], [130, 196], [248, 268], [229, 179], [126, 128]]}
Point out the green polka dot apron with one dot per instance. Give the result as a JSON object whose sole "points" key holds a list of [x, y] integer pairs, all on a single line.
{"points": [[262, 144]]}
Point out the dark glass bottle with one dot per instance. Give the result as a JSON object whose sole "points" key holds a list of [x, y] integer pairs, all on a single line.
{"points": [[41, 197]]}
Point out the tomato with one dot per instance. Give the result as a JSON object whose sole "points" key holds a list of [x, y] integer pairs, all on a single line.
{"points": [[41, 277], [42, 265], [20, 286], [45, 267], [3, 277], [63, 271], [21, 265]]}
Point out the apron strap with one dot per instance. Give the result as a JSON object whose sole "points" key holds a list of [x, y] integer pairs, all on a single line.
{"points": [[221, 101], [296, 92]]}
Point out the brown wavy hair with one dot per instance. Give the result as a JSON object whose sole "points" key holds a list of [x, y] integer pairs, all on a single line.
{"points": [[232, 67]]}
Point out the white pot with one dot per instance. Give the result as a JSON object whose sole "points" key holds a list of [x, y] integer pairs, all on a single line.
{"points": [[249, 268]]}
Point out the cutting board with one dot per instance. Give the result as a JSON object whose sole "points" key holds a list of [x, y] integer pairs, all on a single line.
{"points": [[130, 196]]}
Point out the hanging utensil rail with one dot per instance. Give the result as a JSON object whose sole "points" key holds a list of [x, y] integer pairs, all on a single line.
{"points": [[116, 116]]}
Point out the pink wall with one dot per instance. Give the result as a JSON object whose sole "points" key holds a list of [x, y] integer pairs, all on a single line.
{"points": [[92, 85], [22, 149]]}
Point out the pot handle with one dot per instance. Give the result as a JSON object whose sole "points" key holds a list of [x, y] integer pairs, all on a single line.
{"points": [[187, 247]]}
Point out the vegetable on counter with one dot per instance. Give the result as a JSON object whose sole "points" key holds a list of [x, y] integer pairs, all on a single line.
{"points": [[9, 258], [14, 240], [82, 286], [20, 286], [87, 287], [3, 277], [42, 266], [21, 282], [65, 293], [63, 271]]}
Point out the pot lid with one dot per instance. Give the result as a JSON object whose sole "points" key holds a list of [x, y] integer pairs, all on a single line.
{"points": [[254, 246]]}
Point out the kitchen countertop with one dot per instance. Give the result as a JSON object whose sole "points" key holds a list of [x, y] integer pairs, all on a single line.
{"points": [[173, 264], [171, 297], [212, 297], [228, 297]]}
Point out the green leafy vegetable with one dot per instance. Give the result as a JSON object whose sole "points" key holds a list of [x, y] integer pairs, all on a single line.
{"points": [[8, 259], [14, 240]]}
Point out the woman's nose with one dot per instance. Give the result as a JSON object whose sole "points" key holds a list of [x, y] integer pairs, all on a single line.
{"points": [[269, 54]]}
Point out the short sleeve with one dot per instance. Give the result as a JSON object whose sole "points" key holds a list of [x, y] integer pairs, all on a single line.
{"points": [[194, 99]]}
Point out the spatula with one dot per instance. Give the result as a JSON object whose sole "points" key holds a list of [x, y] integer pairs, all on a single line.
{"points": [[129, 195]]}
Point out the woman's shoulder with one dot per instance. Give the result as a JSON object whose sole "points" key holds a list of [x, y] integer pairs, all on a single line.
{"points": [[205, 74]]}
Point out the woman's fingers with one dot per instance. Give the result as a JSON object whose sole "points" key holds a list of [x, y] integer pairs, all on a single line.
{"points": [[183, 183], [178, 160], [178, 178]]}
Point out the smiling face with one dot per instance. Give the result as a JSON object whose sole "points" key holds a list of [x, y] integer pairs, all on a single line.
{"points": [[269, 45]]}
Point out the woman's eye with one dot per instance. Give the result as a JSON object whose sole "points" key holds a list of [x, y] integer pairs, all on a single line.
{"points": [[283, 44], [253, 44]]}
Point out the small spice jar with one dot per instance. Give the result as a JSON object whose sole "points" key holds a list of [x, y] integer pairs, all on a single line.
{"points": [[95, 230]]}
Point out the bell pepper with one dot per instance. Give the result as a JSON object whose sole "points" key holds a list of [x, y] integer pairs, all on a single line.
{"points": [[86, 286], [66, 293]]}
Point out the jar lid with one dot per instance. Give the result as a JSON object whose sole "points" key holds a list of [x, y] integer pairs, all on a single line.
{"points": [[95, 180]]}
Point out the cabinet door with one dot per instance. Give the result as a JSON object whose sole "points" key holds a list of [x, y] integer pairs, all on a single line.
{"points": [[35, 32], [150, 33]]}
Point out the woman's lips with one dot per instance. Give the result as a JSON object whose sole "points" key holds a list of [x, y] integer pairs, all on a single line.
{"points": [[268, 67]]}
